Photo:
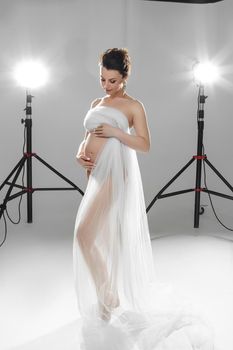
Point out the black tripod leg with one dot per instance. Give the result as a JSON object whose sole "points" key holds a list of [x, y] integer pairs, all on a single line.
{"points": [[59, 174], [219, 174], [11, 173], [169, 183], [20, 166]]}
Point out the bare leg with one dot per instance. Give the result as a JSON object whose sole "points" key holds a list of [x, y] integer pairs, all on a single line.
{"points": [[86, 236]]}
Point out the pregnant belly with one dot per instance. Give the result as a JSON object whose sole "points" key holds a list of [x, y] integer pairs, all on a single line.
{"points": [[93, 146]]}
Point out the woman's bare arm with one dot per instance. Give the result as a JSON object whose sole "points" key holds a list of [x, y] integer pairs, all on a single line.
{"points": [[81, 146], [140, 141], [82, 159]]}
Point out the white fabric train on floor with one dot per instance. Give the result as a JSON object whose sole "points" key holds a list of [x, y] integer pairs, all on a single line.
{"points": [[121, 305]]}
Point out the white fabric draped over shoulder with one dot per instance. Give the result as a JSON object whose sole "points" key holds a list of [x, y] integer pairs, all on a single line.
{"points": [[121, 306]]}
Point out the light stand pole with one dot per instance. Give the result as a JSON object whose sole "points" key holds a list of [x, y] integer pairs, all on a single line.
{"points": [[27, 157], [200, 157], [28, 126]]}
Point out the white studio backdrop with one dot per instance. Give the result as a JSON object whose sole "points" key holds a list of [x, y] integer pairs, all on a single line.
{"points": [[164, 40]]}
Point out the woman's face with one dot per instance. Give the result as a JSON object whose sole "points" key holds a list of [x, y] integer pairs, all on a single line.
{"points": [[111, 81]]}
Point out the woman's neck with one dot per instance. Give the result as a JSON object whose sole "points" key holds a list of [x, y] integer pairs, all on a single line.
{"points": [[120, 94]]}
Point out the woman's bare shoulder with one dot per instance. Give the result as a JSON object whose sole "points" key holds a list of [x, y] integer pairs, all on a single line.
{"points": [[95, 102], [136, 105]]}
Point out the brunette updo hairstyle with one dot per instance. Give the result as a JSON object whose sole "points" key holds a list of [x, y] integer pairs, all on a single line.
{"points": [[116, 59]]}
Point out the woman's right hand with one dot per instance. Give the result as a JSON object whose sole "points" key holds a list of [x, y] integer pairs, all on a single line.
{"points": [[85, 161]]}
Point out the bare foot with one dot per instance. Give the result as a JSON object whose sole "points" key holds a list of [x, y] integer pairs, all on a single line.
{"points": [[112, 300], [105, 313]]}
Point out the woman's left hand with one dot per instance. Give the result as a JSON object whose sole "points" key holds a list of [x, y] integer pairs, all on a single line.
{"points": [[105, 130]]}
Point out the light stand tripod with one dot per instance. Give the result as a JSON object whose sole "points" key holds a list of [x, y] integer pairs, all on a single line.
{"points": [[200, 157], [27, 158]]}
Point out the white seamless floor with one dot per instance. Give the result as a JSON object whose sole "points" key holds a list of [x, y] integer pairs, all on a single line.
{"points": [[37, 298]]}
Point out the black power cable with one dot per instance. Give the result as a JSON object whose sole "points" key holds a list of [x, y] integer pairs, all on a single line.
{"points": [[210, 199], [5, 233], [16, 222]]}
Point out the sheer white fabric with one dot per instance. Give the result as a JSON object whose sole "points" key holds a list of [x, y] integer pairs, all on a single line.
{"points": [[121, 306]]}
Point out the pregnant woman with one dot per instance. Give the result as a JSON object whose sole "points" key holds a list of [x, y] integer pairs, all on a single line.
{"points": [[113, 262], [111, 236]]}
